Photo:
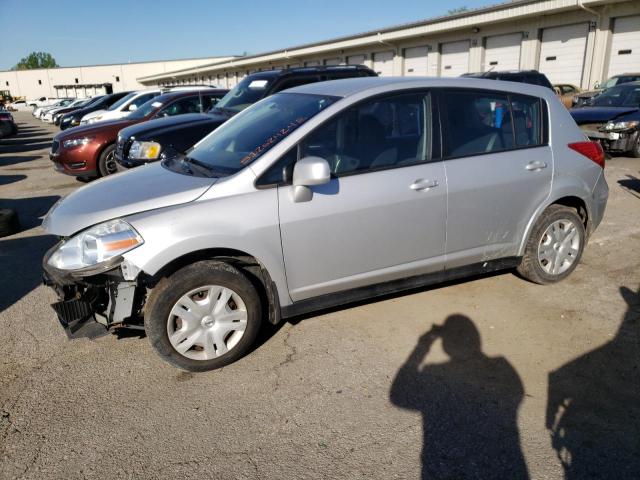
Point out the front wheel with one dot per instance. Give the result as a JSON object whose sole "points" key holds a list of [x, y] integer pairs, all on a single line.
{"points": [[107, 161], [554, 247], [204, 316]]}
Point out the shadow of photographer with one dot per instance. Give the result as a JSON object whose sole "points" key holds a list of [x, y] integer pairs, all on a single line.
{"points": [[469, 406]]}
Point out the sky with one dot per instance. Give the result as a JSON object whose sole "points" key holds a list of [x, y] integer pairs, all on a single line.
{"points": [[88, 32]]}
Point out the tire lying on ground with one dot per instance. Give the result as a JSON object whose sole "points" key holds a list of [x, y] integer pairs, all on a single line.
{"points": [[9, 223]]}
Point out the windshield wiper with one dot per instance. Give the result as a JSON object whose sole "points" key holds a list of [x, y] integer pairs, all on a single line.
{"points": [[208, 170]]}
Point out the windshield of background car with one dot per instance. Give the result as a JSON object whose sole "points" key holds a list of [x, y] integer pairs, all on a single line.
{"points": [[246, 93], [624, 95], [253, 132], [122, 101], [145, 109]]}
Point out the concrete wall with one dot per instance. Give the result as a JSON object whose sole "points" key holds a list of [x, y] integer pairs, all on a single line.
{"points": [[37, 83]]}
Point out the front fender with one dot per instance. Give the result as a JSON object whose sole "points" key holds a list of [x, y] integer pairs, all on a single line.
{"points": [[246, 222]]}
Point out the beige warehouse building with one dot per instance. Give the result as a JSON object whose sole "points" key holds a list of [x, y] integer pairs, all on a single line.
{"points": [[86, 81], [572, 41]]}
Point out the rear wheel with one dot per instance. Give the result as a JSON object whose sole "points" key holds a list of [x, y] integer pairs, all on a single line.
{"points": [[107, 162], [554, 247], [203, 317]]}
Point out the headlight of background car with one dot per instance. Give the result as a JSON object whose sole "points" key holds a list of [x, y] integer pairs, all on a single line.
{"points": [[144, 150], [611, 126], [95, 245], [76, 142]]}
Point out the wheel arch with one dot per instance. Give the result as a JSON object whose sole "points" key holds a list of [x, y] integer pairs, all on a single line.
{"points": [[571, 200], [250, 265]]}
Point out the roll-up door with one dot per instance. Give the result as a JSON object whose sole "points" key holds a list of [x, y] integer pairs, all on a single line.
{"points": [[415, 61], [562, 53], [383, 63], [502, 52], [454, 59], [625, 46]]}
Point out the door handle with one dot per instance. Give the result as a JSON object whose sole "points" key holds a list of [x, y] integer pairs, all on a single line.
{"points": [[421, 184], [534, 166]]}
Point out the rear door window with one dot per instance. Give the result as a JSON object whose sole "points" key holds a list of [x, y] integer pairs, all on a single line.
{"points": [[527, 120], [475, 122]]}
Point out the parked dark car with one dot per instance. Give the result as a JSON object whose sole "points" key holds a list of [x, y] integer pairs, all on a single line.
{"points": [[585, 98], [137, 143], [72, 119], [522, 76], [8, 126], [613, 119], [60, 113], [87, 151]]}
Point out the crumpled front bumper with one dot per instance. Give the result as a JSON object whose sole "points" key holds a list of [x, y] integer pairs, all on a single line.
{"points": [[90, 303], [613, 141]]}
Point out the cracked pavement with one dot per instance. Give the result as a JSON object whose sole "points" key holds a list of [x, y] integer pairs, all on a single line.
{"points": [[313, 400]]}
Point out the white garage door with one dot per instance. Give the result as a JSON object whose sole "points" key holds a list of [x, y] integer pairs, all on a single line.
{"points": [[454, 59], [502, 52], [415, 61], [625, 46], [312, 63], [562, 53], [355, 60], [332, 61], [383, 63]]}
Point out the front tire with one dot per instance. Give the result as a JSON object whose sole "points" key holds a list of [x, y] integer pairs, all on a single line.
{"points": [[554, 247], [204, 316], [107, 161]]}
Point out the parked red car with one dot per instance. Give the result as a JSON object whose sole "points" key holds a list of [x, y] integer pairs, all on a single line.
{"points": [[87, 151]]}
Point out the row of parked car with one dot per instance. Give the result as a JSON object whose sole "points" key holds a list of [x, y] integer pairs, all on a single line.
{"points": [[293, 194], [127, 129]]}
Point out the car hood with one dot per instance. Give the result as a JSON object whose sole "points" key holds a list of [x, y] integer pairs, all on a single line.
{"points": [[95, 113], [93, 129], [598, 114], [153, 127], [134, 191], [588, 93]]}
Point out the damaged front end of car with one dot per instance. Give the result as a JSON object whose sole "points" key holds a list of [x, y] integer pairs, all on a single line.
{"points": [[97, 288]]}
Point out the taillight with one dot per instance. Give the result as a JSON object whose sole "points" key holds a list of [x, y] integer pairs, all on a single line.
{"points": [[592, 150]]}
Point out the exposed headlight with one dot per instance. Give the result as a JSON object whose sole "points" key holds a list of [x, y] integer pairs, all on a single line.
{"points": [[96, 245], [612, 126], [76, 142], [144, 150]]}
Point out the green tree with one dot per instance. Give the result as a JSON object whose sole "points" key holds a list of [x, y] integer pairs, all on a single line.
{"points": [[36, 60], [453, 11]]}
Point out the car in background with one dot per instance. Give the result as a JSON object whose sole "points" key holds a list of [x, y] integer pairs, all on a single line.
{"points": [[47, 113], [18, 106], [142, 144], [63, 102], [87, 150], [586, 97], [8, 125], [131, 102], [81, 103], [72, 118], [521, 76], [42, 102], [566, 92], [322, 195], [613, 119]]}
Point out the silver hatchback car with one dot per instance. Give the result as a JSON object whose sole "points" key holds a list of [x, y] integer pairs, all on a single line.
{"points": [[323, 195]]}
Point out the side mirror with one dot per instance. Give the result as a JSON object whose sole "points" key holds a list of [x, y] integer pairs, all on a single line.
{"points": [[596, 85], [133, 107], [307, 172]]}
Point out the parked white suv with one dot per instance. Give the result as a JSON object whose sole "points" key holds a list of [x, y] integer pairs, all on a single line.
{"points": [[128, 104], [42, 101]]}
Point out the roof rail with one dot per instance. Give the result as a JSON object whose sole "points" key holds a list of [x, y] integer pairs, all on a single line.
{"points": [[313, 68]]}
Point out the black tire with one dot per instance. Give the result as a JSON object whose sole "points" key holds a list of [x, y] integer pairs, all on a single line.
{"points": [[530, 268], [9, 223], [168, 291], [107, 162]]}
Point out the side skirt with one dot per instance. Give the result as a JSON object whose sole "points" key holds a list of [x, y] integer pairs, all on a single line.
{"points": [[371, 291]]}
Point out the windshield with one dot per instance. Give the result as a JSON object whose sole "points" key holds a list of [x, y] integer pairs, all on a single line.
{"points": [[612, 82], [80, 101], [247, 136], [145, 109], [625, 95], [246, 93], [122, 101]]}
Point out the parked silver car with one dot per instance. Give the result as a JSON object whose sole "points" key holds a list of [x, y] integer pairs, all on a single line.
{"points": [[322, 195]]}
